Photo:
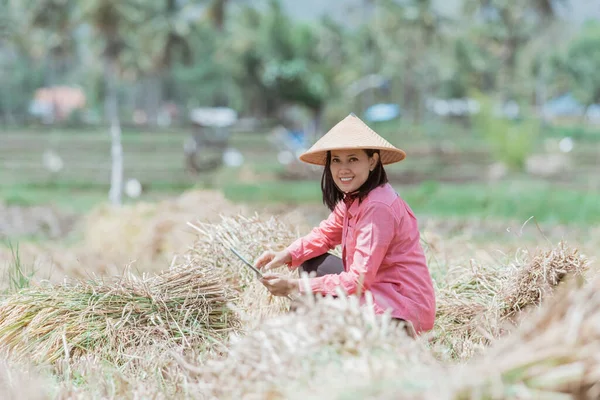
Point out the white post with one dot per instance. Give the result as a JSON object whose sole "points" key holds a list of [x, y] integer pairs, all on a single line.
{"points": [[116, 149]]}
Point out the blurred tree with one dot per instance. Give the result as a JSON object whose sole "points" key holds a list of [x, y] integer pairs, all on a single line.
{"points": [[58, 21], [167, 42], [163, 41], [580, 63], [510, 142], [507, 26], [217, 11], [277, 62], [208, 80], [474, 66], [22, 50], [410, 39]]}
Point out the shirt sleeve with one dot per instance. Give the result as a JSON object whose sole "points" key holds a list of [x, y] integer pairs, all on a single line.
{"points": [[374, 232], [320, 240]]}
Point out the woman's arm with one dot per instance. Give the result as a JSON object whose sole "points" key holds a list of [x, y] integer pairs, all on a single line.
{"points": [[321, 239], [374, 232]]}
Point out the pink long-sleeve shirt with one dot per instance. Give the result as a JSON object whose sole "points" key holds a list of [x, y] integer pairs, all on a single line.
{"points": [[383, 254]]}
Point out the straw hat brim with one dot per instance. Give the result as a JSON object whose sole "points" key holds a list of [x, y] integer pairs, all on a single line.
{"points": [[386, 155], [352, 133]]}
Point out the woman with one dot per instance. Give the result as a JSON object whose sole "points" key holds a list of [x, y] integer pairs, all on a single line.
{"points": [[376, 228]]}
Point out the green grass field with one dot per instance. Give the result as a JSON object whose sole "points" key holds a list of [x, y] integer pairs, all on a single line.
{"points": [[157, 159]]}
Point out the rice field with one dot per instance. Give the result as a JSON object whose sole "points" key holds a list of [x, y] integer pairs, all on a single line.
{"points": [[151, 303]]}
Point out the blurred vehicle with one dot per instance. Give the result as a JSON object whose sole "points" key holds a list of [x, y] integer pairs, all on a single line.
{"points": [[208, 146], [290, 144]]}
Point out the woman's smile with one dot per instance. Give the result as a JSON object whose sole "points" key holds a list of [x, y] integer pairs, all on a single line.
{"points": [[350, 169]]}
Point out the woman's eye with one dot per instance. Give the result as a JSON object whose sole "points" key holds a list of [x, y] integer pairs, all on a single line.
{"points": [[353, 159], [335, 160]]}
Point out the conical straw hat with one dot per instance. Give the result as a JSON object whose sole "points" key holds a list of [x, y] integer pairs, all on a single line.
{"points": [[351, 133]]}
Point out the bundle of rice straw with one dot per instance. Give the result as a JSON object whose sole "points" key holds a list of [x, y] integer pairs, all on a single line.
{"points": [[478, 305], [553, 352], [552, 355], [153, 231], [185, 305], [250, 236], [530, 285], [296, 349], [466, 308]]}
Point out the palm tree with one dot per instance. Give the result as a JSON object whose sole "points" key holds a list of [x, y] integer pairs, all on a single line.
{"points": [[162, 41], [166, 39], [116, 22]]}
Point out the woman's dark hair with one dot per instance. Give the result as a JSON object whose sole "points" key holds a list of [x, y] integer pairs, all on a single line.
{"points": [[332, 194]]}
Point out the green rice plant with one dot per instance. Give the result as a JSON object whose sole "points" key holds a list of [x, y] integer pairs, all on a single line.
{"points": [[17, 275], [510, 141]]}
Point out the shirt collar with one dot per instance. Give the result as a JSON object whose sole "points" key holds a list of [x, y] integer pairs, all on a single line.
{"points": [[353, 209]]}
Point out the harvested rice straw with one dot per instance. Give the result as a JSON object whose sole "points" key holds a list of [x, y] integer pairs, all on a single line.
{"points": [[466, 311], [183, 306], [553, 352], [250, 236], [151, 372], [484, 302], [530, 285], [295, 347], [153, 231]]}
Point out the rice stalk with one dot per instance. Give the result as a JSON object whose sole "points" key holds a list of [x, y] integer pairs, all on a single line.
{"points": [[292, 349], [250, 236], [529, 286], [554, 351], [182, 306], [476, 305]]}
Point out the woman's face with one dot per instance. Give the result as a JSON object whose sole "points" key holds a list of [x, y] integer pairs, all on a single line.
{"points": [[350, 168]]}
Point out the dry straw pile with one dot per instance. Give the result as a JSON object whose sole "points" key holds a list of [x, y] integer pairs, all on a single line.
{"points": [[191, 302], [143, 236], [552, 355], [250, 236], [20, 381], [297, 351], [329, 347], [480, 303], [183, 306], [153, 231], [41, 221]]}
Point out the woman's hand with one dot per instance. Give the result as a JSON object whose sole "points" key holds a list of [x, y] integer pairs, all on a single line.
{"points": [[280, 285], [270, 259]]}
